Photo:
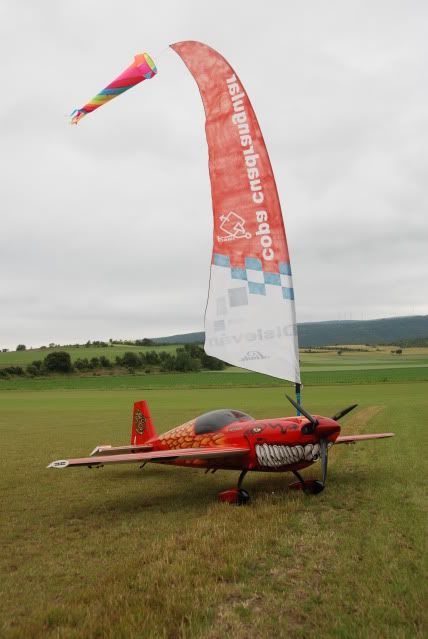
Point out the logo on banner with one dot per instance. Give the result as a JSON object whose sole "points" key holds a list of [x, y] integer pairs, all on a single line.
{"points": [[252, 355], [233, 228]]}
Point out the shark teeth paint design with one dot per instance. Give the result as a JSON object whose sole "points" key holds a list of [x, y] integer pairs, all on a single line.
{"points": [[277, 455]]}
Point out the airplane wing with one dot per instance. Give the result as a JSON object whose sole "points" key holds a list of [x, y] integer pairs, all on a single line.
{"points": [[351, 439], [154, 456]]}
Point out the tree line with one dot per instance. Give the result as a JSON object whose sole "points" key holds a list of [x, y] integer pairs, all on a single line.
{"points": [[96, 342], [190, 357]]}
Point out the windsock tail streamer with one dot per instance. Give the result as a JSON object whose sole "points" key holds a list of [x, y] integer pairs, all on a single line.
{"points": [[143, 68]]}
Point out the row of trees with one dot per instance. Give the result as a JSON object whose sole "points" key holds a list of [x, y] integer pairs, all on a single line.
{"points": [[56, 362], [99, 343], [190, 357]]}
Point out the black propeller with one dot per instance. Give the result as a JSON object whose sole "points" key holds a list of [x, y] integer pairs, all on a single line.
{"points": [[324, 460], [297, 406], [318, 486], [343, 412]]}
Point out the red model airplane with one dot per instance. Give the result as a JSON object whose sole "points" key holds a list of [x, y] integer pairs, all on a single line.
{"points": [[230, 439]]}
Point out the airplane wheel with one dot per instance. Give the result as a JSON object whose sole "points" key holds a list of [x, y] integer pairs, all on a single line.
{"points": [[243, 497], [237, 496], [309, 486], [316, 487]]}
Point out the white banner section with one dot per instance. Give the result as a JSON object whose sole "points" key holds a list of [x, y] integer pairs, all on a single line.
{"points": [[250, 319]]}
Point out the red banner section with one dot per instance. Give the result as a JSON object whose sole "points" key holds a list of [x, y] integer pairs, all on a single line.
{"points": [[247, 214]]}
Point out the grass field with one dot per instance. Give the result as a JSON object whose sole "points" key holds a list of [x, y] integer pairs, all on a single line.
{"points": [[121, 553], [223, 379]]}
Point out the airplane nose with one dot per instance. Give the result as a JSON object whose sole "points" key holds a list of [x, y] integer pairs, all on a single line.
{"points": [[325, 430]]}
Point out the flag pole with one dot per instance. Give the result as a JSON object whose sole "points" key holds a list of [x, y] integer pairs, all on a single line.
{"points": [[298, 397]]}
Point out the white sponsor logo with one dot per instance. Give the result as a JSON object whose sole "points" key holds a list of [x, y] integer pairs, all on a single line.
{"points": [[233, 228], [259, 335], [253, 165]]}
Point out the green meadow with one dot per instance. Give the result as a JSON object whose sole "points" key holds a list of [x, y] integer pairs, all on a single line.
{"points": [[121, 552], [224, 379], [377, 366]]}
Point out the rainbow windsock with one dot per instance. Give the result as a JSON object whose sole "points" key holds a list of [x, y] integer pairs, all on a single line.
{"points": [[143, 68]]}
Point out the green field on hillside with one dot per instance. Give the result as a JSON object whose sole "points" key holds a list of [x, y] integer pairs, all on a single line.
{"points": [[120, 552], [22, 358], [382, 358]]}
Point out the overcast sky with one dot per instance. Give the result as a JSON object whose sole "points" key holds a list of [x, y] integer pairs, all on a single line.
{"points": [[106, 227]]}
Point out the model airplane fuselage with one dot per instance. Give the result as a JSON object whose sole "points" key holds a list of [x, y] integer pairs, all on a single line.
{"points": [[229, 439]]}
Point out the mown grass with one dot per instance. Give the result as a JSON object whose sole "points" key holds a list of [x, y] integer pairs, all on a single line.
{"points": [[223, 379], [122, 553]]}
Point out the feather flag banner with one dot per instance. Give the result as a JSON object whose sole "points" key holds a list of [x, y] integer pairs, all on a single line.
{"points": [[250, 319], [143, 68]]}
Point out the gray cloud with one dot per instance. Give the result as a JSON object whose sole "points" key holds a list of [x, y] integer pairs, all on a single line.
{"points": [[106, 228]]}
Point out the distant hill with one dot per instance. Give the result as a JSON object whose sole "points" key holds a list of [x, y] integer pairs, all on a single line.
{"points": [[389, 330]]}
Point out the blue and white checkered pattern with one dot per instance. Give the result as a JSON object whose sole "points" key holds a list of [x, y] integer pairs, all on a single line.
{"points": [[256, 278]]}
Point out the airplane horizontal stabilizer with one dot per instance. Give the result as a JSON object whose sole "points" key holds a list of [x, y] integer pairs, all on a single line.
{"points": [[106, 449]]}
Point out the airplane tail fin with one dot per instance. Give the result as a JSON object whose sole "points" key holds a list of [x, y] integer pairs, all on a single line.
{"points": [[142, 425]]}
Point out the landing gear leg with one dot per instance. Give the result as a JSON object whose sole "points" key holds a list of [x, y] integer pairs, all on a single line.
{"points": [[299, 476], [241, 478], [238, 495]]}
